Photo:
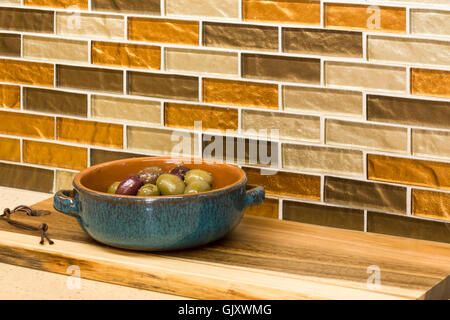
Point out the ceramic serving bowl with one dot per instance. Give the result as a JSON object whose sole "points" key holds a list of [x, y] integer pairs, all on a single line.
{"points": [[162, 222]]}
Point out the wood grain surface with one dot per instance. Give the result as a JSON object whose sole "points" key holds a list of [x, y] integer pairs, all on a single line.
{"points": [[261, 259]]}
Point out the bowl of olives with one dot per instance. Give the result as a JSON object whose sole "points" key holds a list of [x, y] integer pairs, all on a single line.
{"points": [[158, 203]]}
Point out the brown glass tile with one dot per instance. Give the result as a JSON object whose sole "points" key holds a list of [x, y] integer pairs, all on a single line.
{"points": [[431, 204], [267, 209], [90, 132], [365, 194], [287, 184], [9, 96], [291, 11], [21, 177], [53, 101], [90, 78], [164, 30], [100, 156], [281, 68], [324, 42], [409, 171], [10, 45], [240, 93], [79, 4], [26, 20], [163, 85], [138, 6], [240, 150], [26, 72], [408, 111], [410, 227], [335, 217], [240, 36], [55, 155], [27, 125], [126, 55], [184, 115], [10, 149]]}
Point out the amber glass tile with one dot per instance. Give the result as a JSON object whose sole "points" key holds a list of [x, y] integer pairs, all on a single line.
{"points": [[250, 94], [55, 155], [26, 20], [240, 150], [137, 6], [53, 101], [10, 45], [285, 184], [281, 68], [410, 227], [408, 111], [365, 194], [284, 11], [9, 96], [430, 82], [163, 85], [240, 36], [27, 72], [163, 30], [267, 209], [334, 217], [9, 149], [21, 177], [184, 115], [90, 132], [326, 42], [409, 171], [362, 17], [431, 204], [90, 78], [126, 55], [71, 4], [100, 156], [27, 125]]}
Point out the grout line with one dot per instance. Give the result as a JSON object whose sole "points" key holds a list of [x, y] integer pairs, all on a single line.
{"points": [[408, 201], [322, 188], [365, 221], [162, 4], [280, 209]]}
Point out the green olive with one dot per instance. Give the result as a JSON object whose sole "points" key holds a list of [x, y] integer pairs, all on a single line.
{"points": [[148, 190], [170, 184], [198, 174], [112, 188], [197, 186]]}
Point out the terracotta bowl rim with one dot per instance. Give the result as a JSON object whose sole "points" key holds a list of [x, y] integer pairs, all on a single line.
{"points": [[78, 185]]}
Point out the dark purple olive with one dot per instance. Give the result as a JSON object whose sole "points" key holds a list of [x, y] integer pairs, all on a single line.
{"points": [[130, 186], [180, 172]]}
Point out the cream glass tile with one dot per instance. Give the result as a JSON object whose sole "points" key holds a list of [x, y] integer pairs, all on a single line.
{"points": [[328, 101], [55, 49], [365, 76], [430, 22], [323, 160], [210, 8], [296, 127], [431, 143], [64, 180], [126, 109], [202, 61], [90, 25], [373, 137], [161, 141], [418, 51], [16, 2]]}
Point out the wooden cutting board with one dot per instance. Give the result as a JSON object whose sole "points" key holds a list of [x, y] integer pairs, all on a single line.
{"points": [[261, 259]]}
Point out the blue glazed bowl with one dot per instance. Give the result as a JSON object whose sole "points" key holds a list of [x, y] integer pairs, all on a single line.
{"points": [[157, 223]]}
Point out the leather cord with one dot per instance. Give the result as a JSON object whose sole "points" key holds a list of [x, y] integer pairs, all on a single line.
{"points": [[42, 228]]}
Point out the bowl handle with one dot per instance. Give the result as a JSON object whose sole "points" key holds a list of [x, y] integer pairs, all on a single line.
{"points": [[255, 195], [66, 201]]}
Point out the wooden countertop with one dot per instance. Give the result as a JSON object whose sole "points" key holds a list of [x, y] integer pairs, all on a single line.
{"points": [[261, 259]]}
